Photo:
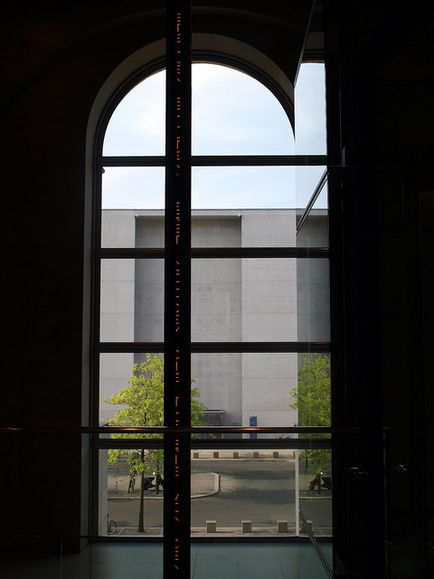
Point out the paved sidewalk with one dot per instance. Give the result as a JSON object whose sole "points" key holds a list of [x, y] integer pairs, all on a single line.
{"points": [[202, 485]]}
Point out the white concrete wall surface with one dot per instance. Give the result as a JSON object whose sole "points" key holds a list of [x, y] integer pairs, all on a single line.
{"points": [[232, 300], [269, 314]]}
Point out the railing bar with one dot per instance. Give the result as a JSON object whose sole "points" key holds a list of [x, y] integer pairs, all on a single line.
{"points": [[311, 202], [187, 430], [324, 561]]}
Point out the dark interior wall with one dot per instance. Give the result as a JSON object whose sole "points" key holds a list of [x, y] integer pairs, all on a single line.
{"points": [[405, 143], [53, 67], [384, 73], [45, 119]]}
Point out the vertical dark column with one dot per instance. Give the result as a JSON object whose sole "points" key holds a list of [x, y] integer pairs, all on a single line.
{"points": [[177, 333], [358, 475]]}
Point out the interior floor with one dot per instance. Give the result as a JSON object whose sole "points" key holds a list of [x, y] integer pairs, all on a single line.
{"points": [[145, 561]]}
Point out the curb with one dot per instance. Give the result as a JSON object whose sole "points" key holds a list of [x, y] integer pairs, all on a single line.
{"points": [[161, 496], [313, 498]]}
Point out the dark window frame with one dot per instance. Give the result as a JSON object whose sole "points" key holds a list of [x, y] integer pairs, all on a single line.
{"points": [[99, 253]]}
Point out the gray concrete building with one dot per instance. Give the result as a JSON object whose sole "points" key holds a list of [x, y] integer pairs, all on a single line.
{"points": [[233, 300]]}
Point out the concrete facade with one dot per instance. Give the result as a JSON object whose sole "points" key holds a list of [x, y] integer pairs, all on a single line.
{"points": [[233, 300]]}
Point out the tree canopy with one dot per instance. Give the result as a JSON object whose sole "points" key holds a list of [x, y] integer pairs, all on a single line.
{"points": [[312, 398], [141, 403]]}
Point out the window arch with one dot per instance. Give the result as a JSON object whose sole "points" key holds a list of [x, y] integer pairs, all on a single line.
{"points": [[247, 246]]}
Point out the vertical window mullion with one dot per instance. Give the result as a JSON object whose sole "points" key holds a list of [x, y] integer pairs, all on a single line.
{"points": [[177, 331]]}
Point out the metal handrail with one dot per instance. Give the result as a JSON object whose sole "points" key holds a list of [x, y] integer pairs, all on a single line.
{"points": [[311, 202], [324, 561], [182, 429]]}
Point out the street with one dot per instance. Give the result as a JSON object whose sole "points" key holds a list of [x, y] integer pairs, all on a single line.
{"points": [[262, 491]]}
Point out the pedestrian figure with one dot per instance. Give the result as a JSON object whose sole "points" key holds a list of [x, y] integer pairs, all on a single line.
{"points": [[158, 482], [132, 483], [316, 482]]}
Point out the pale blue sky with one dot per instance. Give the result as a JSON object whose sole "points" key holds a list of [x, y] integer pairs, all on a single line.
{"points": [[232, 114]]}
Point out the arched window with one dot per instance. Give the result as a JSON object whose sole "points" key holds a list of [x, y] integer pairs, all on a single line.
{"points": [[259, 286]]}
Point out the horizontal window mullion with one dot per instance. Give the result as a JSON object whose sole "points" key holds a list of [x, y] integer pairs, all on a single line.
{"points": [[129, 443], [130, 347], [259, 252], [217, 347], [219, 161], [258, 160], [133, 161], [221, 444], [219, 253], [131, 253], [260, 347]]}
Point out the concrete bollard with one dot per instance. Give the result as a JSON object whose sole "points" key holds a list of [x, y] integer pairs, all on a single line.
{"points": [[211, 526], [275, 454], [246, 526], [282, 526], [309, 525]]}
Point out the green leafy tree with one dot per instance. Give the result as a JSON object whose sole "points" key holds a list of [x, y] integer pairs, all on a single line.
{"points": [[312, 400], [142, 404]]}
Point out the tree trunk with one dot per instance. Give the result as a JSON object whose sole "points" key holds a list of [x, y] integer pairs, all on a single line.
{"points": [[142, 494]]}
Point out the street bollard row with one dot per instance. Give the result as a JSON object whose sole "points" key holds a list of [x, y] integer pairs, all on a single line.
{"points": [[236, 454], [246, 526]]}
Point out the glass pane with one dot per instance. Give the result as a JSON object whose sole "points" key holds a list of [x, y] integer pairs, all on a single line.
{"points": [[250, 493], [133, 188], [312, 399], [243, 187], [261, 560], [102, 560], [315, 480], [132, 300], [313, 300], [131, 492], [252, 206], [234, 114], [110, 560], [246, 389], [267, 389], [306, 181], [310, 109], [314, 231], [216, 228], [131, 390], [132, 207], [260, 300], [137, 126], [132, 228]]}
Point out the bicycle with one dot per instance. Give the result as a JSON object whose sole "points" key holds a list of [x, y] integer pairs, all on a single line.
{"points": [[111, 526]]}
